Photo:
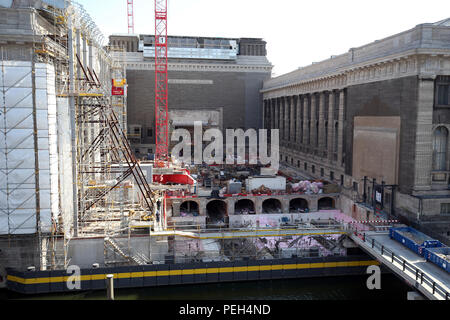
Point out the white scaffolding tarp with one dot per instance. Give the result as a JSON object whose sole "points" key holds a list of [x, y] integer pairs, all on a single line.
{"points": [[18, 189]]}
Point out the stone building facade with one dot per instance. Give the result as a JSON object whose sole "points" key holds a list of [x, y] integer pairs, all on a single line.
{"points": [[214, 80], [380, 111]]}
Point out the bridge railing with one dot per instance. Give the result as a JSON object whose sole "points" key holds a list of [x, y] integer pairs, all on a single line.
{"points": [[421, 278]]}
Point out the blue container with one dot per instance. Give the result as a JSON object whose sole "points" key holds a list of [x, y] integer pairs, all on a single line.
{"points": [[413, 239], [431, 254]]}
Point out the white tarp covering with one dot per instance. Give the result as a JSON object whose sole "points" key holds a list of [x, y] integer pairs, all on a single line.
{"points": [[65, 162], [17, 148]]}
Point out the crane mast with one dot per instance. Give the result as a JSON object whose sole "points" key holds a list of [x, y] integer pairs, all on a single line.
{"points": [[161, 86], [130, 13]]}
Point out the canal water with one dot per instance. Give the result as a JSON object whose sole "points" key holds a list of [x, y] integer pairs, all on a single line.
{"points": [[329, 288]]}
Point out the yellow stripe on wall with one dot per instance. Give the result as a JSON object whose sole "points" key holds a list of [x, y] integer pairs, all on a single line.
{"points": [[127, 275]]}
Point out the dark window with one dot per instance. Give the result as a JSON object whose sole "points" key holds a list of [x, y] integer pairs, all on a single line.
{"points": [[342, 179], [306, 166], [322, 172], [150, 132], [137, 130], [443, 95], [445, 208], [355, 186], [313, 169], [331, 175], [440, 142], [298, 163]]}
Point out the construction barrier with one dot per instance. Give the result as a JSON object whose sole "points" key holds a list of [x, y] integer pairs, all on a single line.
{"points": [[39, 282]]}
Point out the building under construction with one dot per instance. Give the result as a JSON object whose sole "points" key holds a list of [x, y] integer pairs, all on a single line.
{"points": [[73, 193], [67, 170]]}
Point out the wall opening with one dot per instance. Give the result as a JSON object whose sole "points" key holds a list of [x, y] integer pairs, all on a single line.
{"points": [[244, 206], [189, 208], [326, 204], [298, 205], [272, 206], [217, 212]]}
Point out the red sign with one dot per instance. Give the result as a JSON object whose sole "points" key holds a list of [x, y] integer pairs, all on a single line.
{"points": [[118, 91]]}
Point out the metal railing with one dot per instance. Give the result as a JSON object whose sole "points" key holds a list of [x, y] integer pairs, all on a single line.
{"points": [[204, 228], [420, 277]]}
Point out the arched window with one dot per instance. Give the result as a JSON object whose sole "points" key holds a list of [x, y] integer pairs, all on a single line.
{"points": [[440, 140]]}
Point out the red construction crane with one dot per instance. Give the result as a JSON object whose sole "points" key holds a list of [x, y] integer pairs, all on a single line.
{"points": [[161, 87], [130, 13]]}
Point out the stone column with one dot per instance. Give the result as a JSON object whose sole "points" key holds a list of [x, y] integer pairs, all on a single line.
{"points": [[276, 114], [292, 119], [340, 152], [281, 118], [314, 119], [266, 114], [286, 118], [331, 102], [284, 205], [230, 206], [202, 207], [306, 136], [298, 131], [424, 137], [272, 114], [321, 137]]}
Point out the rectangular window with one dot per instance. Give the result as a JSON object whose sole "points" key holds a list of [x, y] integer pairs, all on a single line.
{"points": [[322, 172], [355, 186], [445, 208], [306, 166], [443, 95], [150, 132], [313, 169], [331, 175]]}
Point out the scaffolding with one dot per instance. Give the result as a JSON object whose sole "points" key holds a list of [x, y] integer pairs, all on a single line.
{"points": [[86, 130]]}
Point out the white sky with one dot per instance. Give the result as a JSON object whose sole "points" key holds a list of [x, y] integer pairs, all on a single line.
{"points": [[297, 32]]}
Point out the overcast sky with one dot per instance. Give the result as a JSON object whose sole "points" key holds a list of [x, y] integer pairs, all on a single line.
{"points": [[297, 32]]}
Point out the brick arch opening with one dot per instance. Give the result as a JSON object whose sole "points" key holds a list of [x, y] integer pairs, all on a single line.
{"points": [[216, 211], [326, 203], [189, 208], [244, 206], [298, 205], [272, 206]]}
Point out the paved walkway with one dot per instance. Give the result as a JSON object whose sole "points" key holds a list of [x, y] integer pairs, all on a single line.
{"points": [[416, 265]]}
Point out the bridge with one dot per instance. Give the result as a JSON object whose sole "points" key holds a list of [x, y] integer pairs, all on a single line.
{"points": [[424, 276], [430, 280]]}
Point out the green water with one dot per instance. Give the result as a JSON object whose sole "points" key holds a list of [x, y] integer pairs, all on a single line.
{"points": [[329, 288]]}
